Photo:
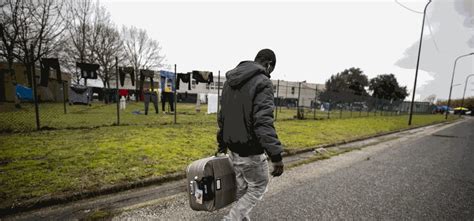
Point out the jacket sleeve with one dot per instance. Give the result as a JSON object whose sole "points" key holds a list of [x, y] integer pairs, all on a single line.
{"points": [[220, 133], [263, 121]]}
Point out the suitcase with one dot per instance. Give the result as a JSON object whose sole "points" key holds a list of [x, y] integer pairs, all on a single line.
{"points": [[211, 183]]}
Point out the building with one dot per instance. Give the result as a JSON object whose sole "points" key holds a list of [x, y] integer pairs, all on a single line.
{"points": [[418, 107], [54, 91], [285, 92]]}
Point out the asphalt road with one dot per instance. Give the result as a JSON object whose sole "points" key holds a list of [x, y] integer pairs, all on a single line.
{"points": [[424, 175]]}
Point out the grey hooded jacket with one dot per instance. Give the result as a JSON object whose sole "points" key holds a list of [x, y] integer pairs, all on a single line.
{"points": [[246, 117]]}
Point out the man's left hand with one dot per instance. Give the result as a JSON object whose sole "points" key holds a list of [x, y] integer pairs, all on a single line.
{"points": [[277, 168]]}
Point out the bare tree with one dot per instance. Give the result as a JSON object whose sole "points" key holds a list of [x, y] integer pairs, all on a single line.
{"points": [[79, 28], [106, 44], [9, 33], [40, 32], [141, 51]]}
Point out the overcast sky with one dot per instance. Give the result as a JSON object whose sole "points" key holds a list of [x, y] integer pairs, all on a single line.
{"points": [[312, 40]]}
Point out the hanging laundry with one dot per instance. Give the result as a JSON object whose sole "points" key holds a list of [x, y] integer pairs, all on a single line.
{"points": [[123, 71], [24, 93], [88, 71], [146, 74], [186, 78], [99, 92], [123, 92], [123, 103], [110, 95], [79, 94], [46, 65], [211, 103], [203, 77], [44, 77], [167, 97], [164, 76], [168, 86], [153, 97]]}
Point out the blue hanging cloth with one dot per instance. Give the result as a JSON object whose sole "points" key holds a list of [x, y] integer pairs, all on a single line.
{"points": [[24, 93], [165, 76]]}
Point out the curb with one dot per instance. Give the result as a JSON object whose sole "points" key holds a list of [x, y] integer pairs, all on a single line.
{"points": [[66, 198]]}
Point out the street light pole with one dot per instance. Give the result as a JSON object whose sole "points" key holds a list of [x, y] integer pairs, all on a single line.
{"points": [[417, 64], [464, 93], [452, 78]]}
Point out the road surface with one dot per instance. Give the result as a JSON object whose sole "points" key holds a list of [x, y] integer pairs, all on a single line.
{"points": [[423, 175]]}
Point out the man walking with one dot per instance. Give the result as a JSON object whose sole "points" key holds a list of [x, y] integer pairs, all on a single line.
{"points": [[246, 129]]}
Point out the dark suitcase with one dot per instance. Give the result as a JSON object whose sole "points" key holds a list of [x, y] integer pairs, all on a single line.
{"points": [[211, 183]]}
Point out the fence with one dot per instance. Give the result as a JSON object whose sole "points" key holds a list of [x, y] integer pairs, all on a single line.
{"points": [[296, 101], [306, 101]]}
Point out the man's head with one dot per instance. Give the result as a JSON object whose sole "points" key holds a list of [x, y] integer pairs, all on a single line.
{"points": [[267, 59]]}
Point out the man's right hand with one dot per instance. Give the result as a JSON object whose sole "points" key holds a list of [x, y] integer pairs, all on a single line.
{"points": [[277, 168]]}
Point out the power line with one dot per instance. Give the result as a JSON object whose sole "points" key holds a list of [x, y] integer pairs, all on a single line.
{"points": [[407, 8], [427, 21], [431, 34]]}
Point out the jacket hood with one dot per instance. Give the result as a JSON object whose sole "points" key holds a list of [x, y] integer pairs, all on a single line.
{"points": [[243, 72]]}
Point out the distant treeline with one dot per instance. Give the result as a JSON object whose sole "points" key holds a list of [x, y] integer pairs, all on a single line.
{"points": [[468, 102]]}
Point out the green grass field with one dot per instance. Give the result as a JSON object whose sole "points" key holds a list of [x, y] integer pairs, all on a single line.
{"points": [[99, 114], [45, 163]]}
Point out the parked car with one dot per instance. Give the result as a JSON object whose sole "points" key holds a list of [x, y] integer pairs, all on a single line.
{"points": [[460, 110]]}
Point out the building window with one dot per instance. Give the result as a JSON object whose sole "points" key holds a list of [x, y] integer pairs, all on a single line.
{"points": [[292, 90], [193, 84]]}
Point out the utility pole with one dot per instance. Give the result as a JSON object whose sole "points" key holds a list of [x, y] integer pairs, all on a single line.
{"points": [[452, 78], [417, 65]]}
